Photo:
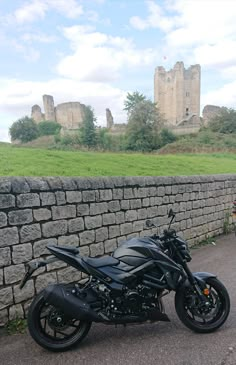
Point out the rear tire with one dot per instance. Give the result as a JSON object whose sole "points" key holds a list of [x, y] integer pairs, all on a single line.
{"points": [[199, 321], [51, 329]]}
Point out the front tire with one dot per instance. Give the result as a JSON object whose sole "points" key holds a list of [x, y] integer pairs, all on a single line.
{"points": [[200, 319], [51, 329]]}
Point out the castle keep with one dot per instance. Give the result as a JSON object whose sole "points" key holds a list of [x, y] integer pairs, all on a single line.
{"points": [[177, 93]]}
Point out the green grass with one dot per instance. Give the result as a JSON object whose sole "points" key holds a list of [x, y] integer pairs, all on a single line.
{"points": [[19, 161]]}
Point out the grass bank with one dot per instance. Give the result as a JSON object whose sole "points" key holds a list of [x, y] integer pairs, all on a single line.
{"points": [[18, 161]]}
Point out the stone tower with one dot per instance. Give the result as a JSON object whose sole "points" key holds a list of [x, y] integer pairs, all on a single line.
{"points": [[177, 92], [49, 109]]}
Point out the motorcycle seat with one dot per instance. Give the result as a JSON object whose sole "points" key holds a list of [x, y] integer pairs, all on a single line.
{"points": [[101, 261]]}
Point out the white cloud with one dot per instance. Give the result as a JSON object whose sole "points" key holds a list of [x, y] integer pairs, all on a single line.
{"points": [[38, 37], [99, 57], [224, 96], [34, 10]]}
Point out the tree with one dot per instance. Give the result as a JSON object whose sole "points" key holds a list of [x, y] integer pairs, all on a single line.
{"points": [[225, 122], [49, 128], [143, 127], [132, 100], [88, 128], [25, 129]]}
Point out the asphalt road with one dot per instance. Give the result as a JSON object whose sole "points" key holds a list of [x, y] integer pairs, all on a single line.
{"points": [[160, 343]]}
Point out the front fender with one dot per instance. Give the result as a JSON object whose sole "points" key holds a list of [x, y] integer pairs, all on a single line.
{"points": [[201, 278]]}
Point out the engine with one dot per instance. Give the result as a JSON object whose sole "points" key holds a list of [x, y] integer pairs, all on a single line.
{"points": [[129, 302]]}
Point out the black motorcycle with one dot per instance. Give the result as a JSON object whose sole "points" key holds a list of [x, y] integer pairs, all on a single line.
{"points": [[126, 287]]}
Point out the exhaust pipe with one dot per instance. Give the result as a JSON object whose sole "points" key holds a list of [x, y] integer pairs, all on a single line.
{"points": [[60, 297]]}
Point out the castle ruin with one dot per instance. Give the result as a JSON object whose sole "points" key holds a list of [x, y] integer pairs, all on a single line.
{"points": [[68, 115], [177, 94]]}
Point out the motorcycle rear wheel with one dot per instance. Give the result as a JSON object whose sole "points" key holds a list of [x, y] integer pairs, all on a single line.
{"points": [[203, 321], [51, 329]]}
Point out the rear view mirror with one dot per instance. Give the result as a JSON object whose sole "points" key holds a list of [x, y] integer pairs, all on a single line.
{"points": [[171, 213]]}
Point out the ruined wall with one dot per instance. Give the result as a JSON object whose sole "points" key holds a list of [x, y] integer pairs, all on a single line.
{"points": [[70, 115], [177, 92], [209, 112], [95, 214]]}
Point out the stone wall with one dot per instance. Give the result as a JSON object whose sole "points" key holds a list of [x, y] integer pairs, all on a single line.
{"points": [[96, 214]]}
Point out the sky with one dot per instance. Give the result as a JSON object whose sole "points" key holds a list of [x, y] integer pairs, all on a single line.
{"points": [[95, 51]]}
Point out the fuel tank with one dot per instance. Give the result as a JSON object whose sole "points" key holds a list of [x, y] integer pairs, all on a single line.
{"points": [[137, 250]]}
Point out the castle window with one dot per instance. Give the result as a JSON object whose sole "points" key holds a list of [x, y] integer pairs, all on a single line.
{"points": [[188, 94], [168, 80], [187, 112]]}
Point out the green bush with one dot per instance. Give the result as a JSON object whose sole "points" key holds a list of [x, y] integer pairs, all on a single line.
{"points": [[49, 128], [25, 129]]}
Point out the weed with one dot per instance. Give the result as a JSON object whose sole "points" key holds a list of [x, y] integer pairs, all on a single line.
{"points": [[17, 325]]}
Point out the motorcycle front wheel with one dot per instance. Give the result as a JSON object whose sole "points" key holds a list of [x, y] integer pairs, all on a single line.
{"points": [[198, 317], [51, 329]]}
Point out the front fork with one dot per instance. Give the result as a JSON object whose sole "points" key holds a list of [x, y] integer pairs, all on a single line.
{"points": [[198, 282]]}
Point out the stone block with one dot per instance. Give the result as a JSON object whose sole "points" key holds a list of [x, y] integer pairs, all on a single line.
{"points": [[168, 190], [131, 215], [118, 194], [20, 217], [93, 222], [14, 273], [60, 197], [3, 317], [76, 225], [114, 206], [20, 185], [152, 212], [88, 196], [16, 312], [27, 292], [126, 228], [1, 277], [101, 234], [30, 232], [139, 226], [43, 280], [161, 191], [71, 240], [5, 185], [8, 236], [110, 245], [47, 199], [7, 201], [73, 196], [125, 204], [37, 183], [146, 202], [69, 275], [40, 247], [3, 219], [152, 191], [120, 217], [28, 200], [65, 211], [98, 208], [114, 231], [6, 297], [84, 251], [42, 214], [86, 237], [182, 206], [128, 193], [82, 209], [105, 194], [96, 249], [108, 218], [141, 192], [52, 229], [22, 253], [135, 203], [142, 213], [5, 256]]}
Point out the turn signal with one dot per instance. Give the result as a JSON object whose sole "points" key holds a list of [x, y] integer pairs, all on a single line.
{"points": [[206, 291]]}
